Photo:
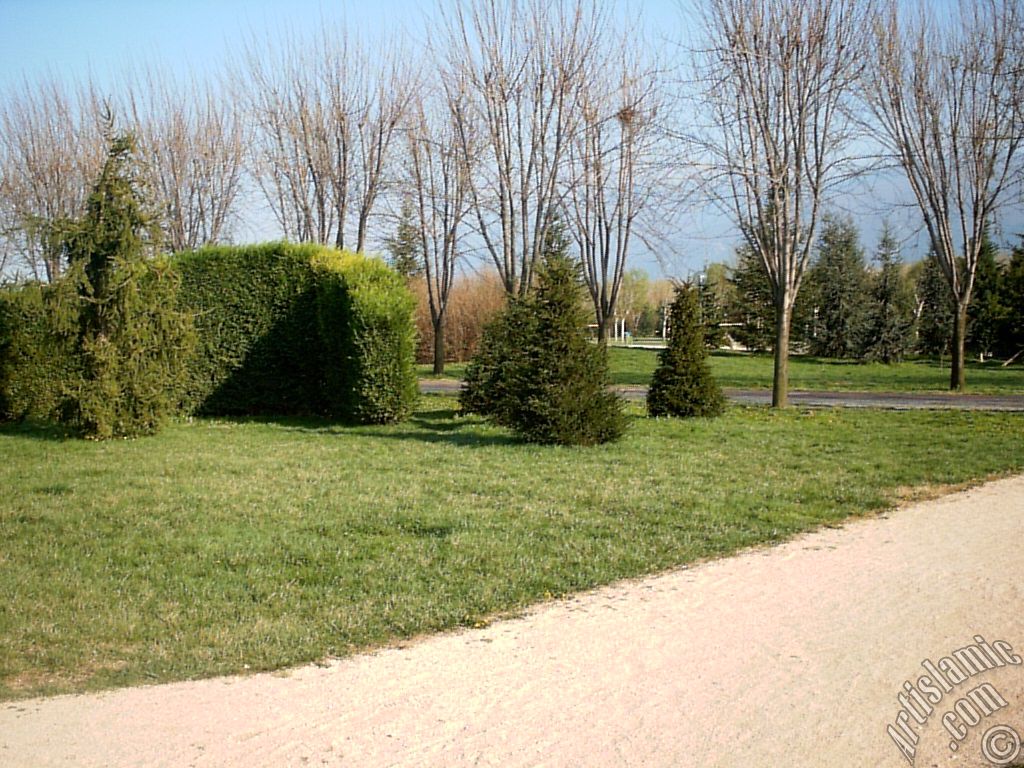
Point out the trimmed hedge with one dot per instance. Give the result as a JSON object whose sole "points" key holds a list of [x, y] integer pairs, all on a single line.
{"points": [[298, 329], [37, 354], [258, 342], [368, 335], [280, 329]]}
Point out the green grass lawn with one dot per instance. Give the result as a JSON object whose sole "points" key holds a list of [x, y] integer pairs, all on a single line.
{"points": [[228, 545], [744, 371]]}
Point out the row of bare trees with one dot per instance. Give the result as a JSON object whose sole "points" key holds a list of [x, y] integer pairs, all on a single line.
{"points": [[521, 112], [799, 94]]}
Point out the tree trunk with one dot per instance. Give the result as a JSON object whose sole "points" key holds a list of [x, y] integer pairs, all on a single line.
{"points": [[957, 368], [439, 346], [780, 385], [602, 330]]}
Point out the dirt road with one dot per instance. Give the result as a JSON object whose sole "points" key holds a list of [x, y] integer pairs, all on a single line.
{"points": [[793, 655]]}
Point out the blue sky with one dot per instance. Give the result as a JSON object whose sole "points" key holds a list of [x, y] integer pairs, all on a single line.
{"points": [[99, 38]]}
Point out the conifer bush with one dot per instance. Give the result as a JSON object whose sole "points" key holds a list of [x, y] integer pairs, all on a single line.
{"points": [[682, 384], [132, 343], [492, 386], [538, 374]]}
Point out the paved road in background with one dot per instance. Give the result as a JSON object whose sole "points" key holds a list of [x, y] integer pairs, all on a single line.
{"points": [[896, 401]]}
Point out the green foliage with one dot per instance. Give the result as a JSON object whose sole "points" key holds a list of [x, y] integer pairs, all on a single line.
{"points": [[298, 329], [682, 384], [935, 323], [365, 316], [838, 281], [563, 389], [491, 386], [131, 344], [258, 346], [38, 324], [754, 308], [889, 320], [536, 372], [405, 247], [1011, 332], [710, 315], [986, 312]]}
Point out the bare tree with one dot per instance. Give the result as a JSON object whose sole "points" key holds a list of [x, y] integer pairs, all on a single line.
{"points": [[778, 79], [51, 148], [326, 113], [439, 173], [948, 100], [520, 62], [613, 167], [193, 143]]}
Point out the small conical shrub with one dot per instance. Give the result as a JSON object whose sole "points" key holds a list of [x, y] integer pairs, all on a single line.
{"points": [[682, 384], [491, 387], [562, 387]]}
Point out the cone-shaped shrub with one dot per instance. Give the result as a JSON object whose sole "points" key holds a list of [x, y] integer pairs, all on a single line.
{"points": [[538, 374], [492, 386], [682, 384]]}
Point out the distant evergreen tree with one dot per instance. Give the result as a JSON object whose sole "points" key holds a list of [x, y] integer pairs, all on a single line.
{"points": [[935, 313], [889, 324], [838, 282], [1011, 333], [986, 313], [754, 307], [682, 384], [710, 316], [405, 247]]}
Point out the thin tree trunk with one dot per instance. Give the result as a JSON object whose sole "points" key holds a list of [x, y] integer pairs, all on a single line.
{"points": [[957, 368], [780, 385], [602, 330], [439, 345]]}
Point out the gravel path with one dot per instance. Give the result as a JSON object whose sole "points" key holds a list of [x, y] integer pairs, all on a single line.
{"points": [[896, 401], [786, 656]]}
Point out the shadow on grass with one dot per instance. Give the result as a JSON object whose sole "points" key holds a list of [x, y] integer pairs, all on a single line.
{"points": [[426, 426], [37, 431]]}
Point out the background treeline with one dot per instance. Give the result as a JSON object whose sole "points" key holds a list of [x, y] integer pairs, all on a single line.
{"points": [[872, 305], [524, 120]]}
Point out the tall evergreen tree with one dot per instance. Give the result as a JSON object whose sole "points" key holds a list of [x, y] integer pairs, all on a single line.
{"points": [[935, 310], [838, 281], [888, 326], [754, 308], [1011, 334], [986, 311], [710, 317], [682, 384], [404, 247], [131, 341]]}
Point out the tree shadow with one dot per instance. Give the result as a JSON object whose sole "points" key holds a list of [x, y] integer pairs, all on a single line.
{"points": [[34, 430], [432, 426]]}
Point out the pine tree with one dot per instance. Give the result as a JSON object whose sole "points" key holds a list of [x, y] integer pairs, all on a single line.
{"points": [[131, 341], [563, 387], [935, 320], [710, 315], [1011, 330], [838, 281], [682, 384], [405, 247], [889, 323], [754, 308], [986, 313]]}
